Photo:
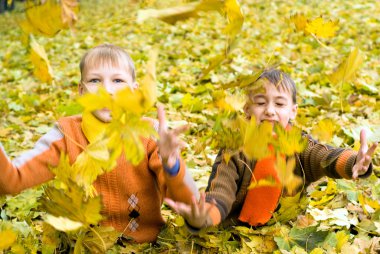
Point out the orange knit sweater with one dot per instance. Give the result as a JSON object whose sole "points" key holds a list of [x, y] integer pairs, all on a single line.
{"points": [[132, 195]]}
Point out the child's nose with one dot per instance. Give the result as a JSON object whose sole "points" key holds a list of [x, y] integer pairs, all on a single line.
{"points": [[109, 87], [270, 110]]}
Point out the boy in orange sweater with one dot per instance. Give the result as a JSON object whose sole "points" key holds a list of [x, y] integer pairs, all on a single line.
{"points": [[132, 195], [229, 201]]}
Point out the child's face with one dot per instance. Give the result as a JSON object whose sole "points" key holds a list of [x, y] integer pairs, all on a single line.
{"points": [[271, 104], [111, 78]]}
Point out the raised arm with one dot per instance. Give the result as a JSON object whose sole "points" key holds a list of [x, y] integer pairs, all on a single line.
{"points": [[322, 160], [165, 160], [32, 167]]}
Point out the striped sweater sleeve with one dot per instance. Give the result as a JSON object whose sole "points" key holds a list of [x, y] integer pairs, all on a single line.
{"points": [[32, 167], [322, 160]]}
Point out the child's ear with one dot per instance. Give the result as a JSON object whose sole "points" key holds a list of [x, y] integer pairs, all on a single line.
{"points": [[135, 85], [80, 88], [294, 111], [246, 111]]}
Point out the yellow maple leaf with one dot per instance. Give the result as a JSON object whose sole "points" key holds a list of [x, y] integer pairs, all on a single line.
{"points": [[289, 142], [95, 101], [42, 69], [300, 21], [7, 238], [43, 19], [125, 136], [324, 130], [321, 28], [347, 69], [92, 128], [257, 139], [72, 203], [92, 162]]}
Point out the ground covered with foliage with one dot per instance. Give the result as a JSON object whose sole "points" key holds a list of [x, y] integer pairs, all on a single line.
{"points": [[330, 48]]}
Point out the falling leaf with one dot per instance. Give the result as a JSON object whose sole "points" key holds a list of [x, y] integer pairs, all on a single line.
{"points": [[72, 204], [288, 179], [257, 139], [347, 69], [69, 12], [321, 28], [173, 14], [269, 181], [324, 130], [43, 19], [62, 223], [300, 21], [91, 163], [290, 141], [95, 101], [42, 69], [126, 137], [235, 19], [148, 84]]}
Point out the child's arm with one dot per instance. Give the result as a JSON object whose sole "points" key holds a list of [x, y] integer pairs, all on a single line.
{"points": [[364, 157], [164, 158], [224, 189], [321, 160], [32, 167], [169, 144]]}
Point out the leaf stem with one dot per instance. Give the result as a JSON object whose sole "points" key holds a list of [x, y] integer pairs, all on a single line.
{"points": [[101, 239]]}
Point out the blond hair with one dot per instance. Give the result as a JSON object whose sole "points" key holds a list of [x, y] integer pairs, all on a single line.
{"points": [[107, 54]]}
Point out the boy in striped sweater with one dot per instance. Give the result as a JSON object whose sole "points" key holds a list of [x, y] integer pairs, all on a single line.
{"points": [[229, 201]]}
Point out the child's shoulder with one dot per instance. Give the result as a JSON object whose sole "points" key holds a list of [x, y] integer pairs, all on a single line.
{"points": [[73, 118]]}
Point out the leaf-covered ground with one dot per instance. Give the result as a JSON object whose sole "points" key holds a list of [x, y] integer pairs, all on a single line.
{"points": [[335, 216]]}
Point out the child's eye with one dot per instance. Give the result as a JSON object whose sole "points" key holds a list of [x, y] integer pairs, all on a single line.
{"points": [[280, 104], [94, 81], [119, 81], [260, 103]]}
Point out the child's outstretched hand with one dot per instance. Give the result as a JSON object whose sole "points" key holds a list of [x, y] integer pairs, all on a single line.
{"points": [[169, 144], [363, 159], [196, 214]]}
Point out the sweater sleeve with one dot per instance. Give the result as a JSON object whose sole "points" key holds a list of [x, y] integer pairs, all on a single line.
{"points": [[179, 187], [322, 160], [32, 167], [223, 186]]}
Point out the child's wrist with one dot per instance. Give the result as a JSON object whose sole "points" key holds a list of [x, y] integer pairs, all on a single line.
{"points": [[173, 171]]}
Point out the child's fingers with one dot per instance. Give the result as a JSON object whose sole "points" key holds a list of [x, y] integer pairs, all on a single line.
{"points": [[372, 149], [363, 141], [180, 129], [161, 117], [194, 208], [172, 204]]}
